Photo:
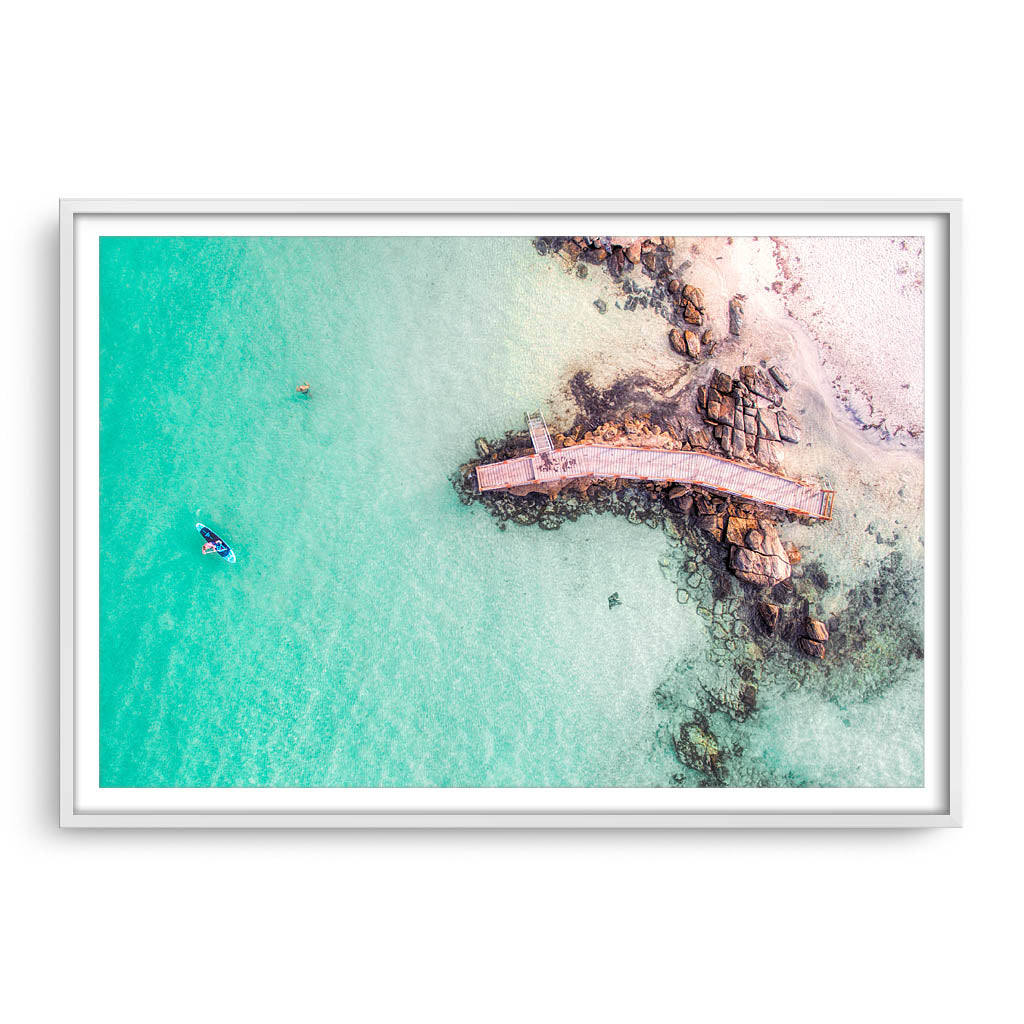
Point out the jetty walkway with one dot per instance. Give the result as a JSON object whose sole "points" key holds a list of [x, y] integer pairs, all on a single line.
{"points": [[601, 461]]}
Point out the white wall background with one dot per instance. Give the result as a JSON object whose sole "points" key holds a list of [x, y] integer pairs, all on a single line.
{"points": [[530, 99]]}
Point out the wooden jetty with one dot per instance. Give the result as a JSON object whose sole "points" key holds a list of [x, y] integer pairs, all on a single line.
{"points": [[701, 469]]}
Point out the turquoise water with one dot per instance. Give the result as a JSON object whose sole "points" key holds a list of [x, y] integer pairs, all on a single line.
{"points": [[374, 631]]}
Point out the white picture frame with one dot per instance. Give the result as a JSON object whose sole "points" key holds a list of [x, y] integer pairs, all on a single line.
{"points": [[79, 221]]}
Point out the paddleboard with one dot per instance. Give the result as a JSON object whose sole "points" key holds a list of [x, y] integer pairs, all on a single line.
{"points": [[222, 546]]}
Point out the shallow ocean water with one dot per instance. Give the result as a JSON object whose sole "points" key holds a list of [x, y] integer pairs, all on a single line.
{"points": [[374, 631]]}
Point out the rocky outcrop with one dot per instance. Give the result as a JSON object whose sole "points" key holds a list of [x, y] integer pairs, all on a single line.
{"points": [[746, 417], [626, 258]]}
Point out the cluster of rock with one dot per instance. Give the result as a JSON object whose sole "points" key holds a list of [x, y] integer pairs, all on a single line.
{"points": [[619, 255], [811, 634], [741, 424], [756, 552], [689, 343], [680, 303], [697, 747]]}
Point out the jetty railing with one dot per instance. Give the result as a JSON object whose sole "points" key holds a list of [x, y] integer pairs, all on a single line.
{"points": [[539, 434]]}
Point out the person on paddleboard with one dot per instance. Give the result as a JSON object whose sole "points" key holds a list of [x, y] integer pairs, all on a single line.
{"points": [[209, 548]]}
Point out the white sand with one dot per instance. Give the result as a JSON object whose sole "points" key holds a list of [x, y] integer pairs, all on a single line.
{"points": [[860, 301]]}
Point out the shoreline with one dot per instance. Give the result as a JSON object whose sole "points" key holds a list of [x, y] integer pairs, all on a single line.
{"points": [[781, 614]]}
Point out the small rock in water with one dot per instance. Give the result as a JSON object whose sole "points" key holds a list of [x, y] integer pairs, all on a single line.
{"points": [[601, 305], [581, 270], [613, 600], [812, 648], [816, 630], [769, 613]]}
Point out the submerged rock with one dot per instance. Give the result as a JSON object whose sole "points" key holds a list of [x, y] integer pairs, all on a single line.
{"points": [[697, 747], [816, 630], [601, 305], [769, 615], [812, 648], [782, 378]]}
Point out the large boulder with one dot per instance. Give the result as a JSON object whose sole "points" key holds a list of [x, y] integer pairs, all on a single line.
{"points": [[757, 554], [711, 524], [692, 344], [761, 570], [789, 428], [759, 383]]}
